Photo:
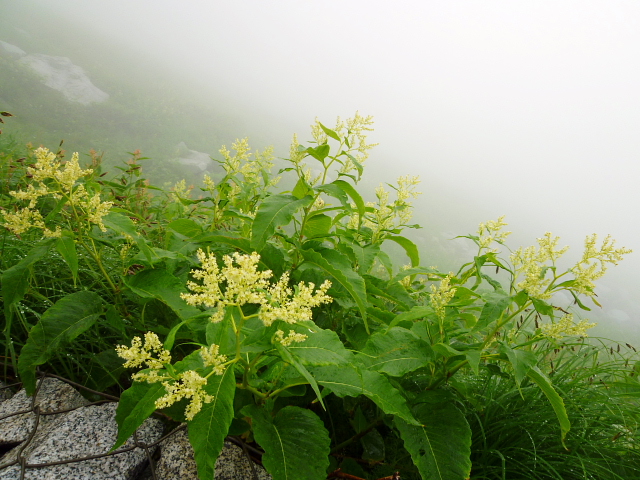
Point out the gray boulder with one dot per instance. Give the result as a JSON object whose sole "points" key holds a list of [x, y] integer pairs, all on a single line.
{"points": [[61, 74]]}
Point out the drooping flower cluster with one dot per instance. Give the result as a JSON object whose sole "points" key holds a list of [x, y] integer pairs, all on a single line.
{"points": [[51, 177], [566, 327], [240, 282], [188, 384]]}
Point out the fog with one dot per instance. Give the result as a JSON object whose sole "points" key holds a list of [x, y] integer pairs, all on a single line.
{"points": [[528, 109]]}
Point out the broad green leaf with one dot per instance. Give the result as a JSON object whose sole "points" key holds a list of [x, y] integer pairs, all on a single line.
{"points": [[295, 442], [66, 247], [521, 360], [473, 359], [322, 347], [409, 247], [185, 226], [136, 404], [353, 194], [286, 355], [329, 132], [301, 189], [59, 325], [441, 446], [335, 191], [210, 426], [338, 267], [125, 226], [414, 314], [445, 350], [320, 152], [15, 280], [274, 211], [496, 304], [159, 284], [413, 271], [317, 225], [395, 352], [365, 256], [542, 307], [556, 401], [352, 381]]}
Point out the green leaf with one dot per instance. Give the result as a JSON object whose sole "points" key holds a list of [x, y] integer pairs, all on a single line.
{"points": [[365, 256], [413, 314], [329, 132], [210, 426], [556, 401], [15, 280], [136, 404], [293, 431], [521, 360], [409, 247], [125, 226], [320, 152], [395, 352], [59, 325], [335, 191], [353, 193], [66, 247], [159, 284], [542, 307], [274, 211], [496, 304], [352, 381], [301, 189], [322, 347], [445, 350], [286, 355], [339, 268], [441, 446], [317, 225], [185, 226]]}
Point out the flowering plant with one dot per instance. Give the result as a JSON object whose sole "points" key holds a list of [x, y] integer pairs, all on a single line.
{"points": [[263, 313]]}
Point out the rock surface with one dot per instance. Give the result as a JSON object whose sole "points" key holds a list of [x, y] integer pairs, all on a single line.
{"points": [[59, 73], [82, 430]]}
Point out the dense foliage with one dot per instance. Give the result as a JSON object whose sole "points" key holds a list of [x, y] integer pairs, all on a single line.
{"points": [[275, 313]]}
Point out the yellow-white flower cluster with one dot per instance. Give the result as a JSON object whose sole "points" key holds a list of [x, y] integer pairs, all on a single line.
{"points": [[593, 263], [566, 327], [252, 169], [292, 337], [353, 130], [491, 231], [239, 283], [50, 176], [189, 384], [529, 264], [442, 295], [389, 215]]}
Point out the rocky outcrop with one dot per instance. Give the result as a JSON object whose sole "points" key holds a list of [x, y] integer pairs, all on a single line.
{"points": [[198, 161], [59, 73], [58, 435]]}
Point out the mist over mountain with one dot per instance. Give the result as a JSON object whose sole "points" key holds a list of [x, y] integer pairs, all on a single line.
{"points": [[527, 109]]}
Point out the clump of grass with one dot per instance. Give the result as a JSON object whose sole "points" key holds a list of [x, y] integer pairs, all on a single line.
{"points": [[515, 434]]}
